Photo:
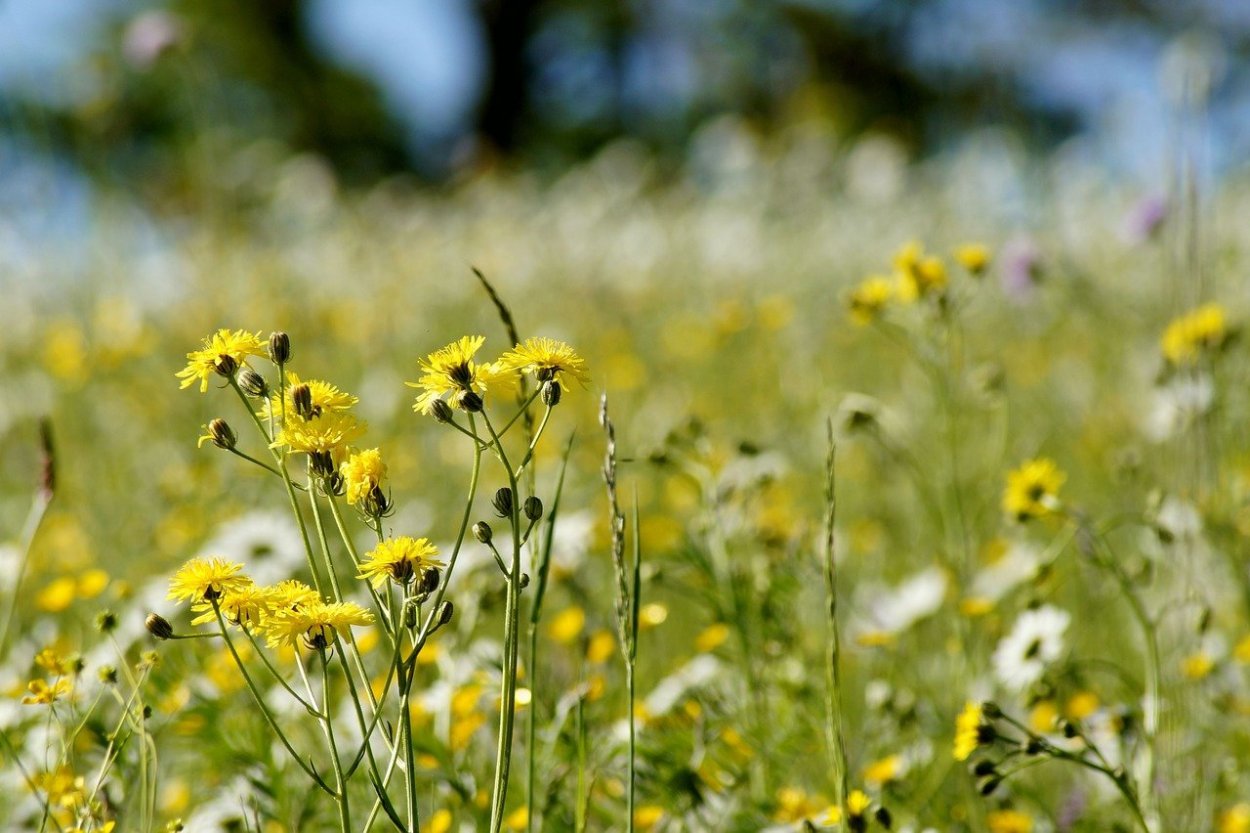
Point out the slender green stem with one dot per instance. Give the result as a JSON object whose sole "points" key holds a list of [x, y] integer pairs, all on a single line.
{"points": [[345, 815], [38, 509], [835, 735]]}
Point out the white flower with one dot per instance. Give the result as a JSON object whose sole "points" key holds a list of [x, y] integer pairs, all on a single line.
{"points": [[892, 610], [1177, 404], [1035, 641], [1019, 564], [268, 542]]}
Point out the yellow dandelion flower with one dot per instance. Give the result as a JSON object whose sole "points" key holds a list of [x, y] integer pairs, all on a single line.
{"points": [[648, 816], [919, 275], [1190, 335], [1235, 819], [517, 819], [244, 606], [652, 615], [1009, 821], [53, 661], [884, 770], [975, 257], [363, 472], [711, 638], [567, 625], [968, 731], [206, 579], [58, 595], [316, 623], [601, 648], [325, 434], [324, 397], [398, 559], [222, 354], [794, 805], [548, 359], [869, 299], [1241, 651], [1033, 489], [1197, 666], [291, 594], [451, 372], [857, 803], [1081, 705], [42, 694]]}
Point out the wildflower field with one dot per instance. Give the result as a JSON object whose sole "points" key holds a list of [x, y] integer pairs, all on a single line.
{"points": [[791, 489]]}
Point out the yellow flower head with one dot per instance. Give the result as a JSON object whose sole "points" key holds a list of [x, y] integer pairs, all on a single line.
{"points": [[974, 257], [968, 734], [869, 299], [1194, 333], [1009, 821], [245, 606], [325, 434], [1235, 819], [206, 579], [222, 354], [324, 396], [451, 372], [290, 594], [547, 359], [883, 770], [363, 472], [1033, 489], [398, 559], [42, 694], [919, 275], [315, 623]]}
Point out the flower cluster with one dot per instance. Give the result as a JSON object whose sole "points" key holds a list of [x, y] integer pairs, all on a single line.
{"points": [[1197, 333], [917, 276]]}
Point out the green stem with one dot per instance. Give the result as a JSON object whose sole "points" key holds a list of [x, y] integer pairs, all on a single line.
{"points": [[345, 815]]}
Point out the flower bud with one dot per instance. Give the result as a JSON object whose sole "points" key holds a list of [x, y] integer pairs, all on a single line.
{"points": [[884, 818], [445, 611], [334, 484], [533, 508], [441, 411], [106, 621], [991, 710], [252, 383], [301, 395], [990, 785], [551, 393], [158, 626], [471, 402], [410, 614], [322, 463], [222, 435], [107, 674], [525, 580], [279, 347], [503, 502], [482, 532], [376, 503], [429, 580], [225, 365], [984, 768]]}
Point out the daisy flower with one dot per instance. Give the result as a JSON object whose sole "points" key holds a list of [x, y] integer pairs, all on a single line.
{"points": [[222, 354], [1035, 641]]}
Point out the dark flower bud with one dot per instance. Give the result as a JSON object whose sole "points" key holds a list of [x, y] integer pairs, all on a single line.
{"points": [[252, 383], [429, 580], [410, 614], [222, 435], [990, 785], [225, 365], [856, 823], [984, 768], [533, 508], [301, 395], [482, 532], [158, 626], [376, 503], [322, 463], [107, 674], [884, 818], [525, 580], [503, 502], [471, 402], [279, 347], [441, 411], [1034, 747], [1068, 728], [106, 621], [445, 611], [551, 393], [991, 710], [147, 712], [335, 484]]}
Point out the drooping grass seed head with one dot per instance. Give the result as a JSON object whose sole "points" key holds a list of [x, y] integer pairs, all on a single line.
{"points": [[279, 347], [252, 383]]}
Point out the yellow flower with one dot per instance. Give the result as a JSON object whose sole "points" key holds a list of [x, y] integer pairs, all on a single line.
{"points": [[968, 731], [547, 359], [244, 606], [1235, 819], [363, 472], [398, 559], [1193, 333], [316, 623], [974, 257], [794, 804], [290, 594], [206, 579], [325, 434], [1197, 666], [222, 354], [324, 396], [918, 275], [1081, 705], [869, 299], [648, 816], [567, 625], [451, 372], [517, 819], [711, 638], [1033, 489], [43, 694], [884, 770], [58, 595], [52, 661], [1009, 821]]}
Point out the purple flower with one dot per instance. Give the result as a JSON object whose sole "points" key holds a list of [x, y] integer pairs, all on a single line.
{"points": [[1021, 268], [1144, 220]]}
